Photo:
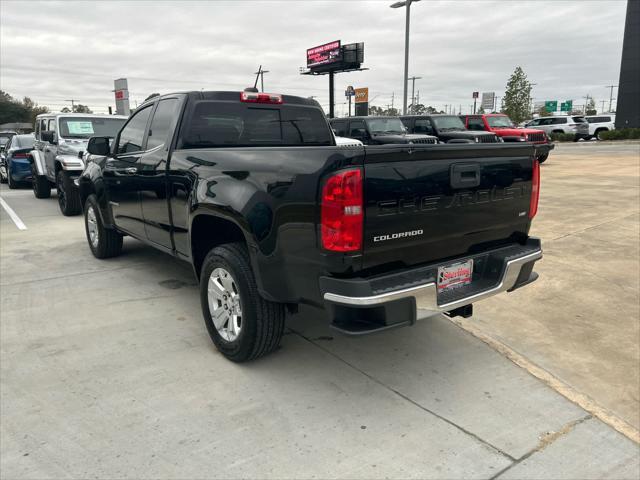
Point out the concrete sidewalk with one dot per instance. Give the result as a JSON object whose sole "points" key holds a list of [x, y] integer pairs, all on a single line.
{"points": [[581, 320]]}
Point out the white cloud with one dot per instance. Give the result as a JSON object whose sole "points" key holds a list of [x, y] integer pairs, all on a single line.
{"points": [[54, 51]]}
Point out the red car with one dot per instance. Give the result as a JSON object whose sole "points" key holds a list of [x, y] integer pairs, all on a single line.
{"points": [[502, 126]]}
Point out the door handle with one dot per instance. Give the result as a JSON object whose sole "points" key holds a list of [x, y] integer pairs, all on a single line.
{"points": [[465, 175], [131, 170]]}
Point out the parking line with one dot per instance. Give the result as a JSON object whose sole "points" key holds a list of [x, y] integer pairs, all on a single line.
{"points": [[14, 216]]}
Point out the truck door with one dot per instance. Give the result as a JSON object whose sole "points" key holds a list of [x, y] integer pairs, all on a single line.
{"points": [[122, 174], [50, 149], [153, 172]]}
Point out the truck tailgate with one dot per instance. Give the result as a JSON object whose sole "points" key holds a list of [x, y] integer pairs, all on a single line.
{"points": [[426, 203]]}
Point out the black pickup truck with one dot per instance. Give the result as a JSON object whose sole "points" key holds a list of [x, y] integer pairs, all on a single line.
{"points": [[448, 129], [377, 131], [252, 190]]}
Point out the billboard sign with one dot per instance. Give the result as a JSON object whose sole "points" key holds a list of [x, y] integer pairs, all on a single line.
{"points": [[324, 54], [362, 95], [488, 100]]}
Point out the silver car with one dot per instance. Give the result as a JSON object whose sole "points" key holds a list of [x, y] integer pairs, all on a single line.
{"points": [[574, 124]]}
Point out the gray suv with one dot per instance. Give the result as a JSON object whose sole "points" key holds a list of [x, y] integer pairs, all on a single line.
{"points": [[57, 157], [576, 125]]}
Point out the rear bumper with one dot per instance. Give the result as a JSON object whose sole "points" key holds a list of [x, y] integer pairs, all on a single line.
{"points": [[367, 305]]}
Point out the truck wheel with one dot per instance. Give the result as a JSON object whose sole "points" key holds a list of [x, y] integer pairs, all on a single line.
{"points": [[68, 195], [12, 185], [41, 186], [103, 242], [542, 158], [242, 324]]}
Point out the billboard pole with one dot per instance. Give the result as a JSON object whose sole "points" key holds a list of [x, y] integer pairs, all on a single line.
{"points": [[331, 94]]}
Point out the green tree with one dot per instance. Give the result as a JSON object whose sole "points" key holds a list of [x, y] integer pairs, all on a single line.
{"points": [[391, 112], [517, 96], [543, 112], [480, 110], [81, 109], [12, 110], [376, 111], [590, 108], [417, 109]]}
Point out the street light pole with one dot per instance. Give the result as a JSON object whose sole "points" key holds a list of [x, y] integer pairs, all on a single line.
{"points": [[407, 4]]}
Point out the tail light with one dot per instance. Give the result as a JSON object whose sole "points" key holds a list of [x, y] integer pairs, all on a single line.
{"points": [[535, 188], [255, 97], [342, 212], [19, 155]]}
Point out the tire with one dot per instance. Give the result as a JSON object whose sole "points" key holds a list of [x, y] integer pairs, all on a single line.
{"points": [[68, 195], [543, 157], [107, 242], [261, 322], [598, 132], [11, 183], [41, 186]]}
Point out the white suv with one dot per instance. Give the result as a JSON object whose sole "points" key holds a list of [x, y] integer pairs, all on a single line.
{"points": [[576, 125], [600, 123]]}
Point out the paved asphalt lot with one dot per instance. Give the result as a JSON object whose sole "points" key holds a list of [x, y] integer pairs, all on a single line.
{"points": [[107, 370]]}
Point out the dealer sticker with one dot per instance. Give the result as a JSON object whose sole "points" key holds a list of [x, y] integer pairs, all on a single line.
{"points": [[455, 275]]}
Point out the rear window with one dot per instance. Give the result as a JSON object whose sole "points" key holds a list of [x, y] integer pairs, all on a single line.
{"points": [[226, 124], [23, 141]]}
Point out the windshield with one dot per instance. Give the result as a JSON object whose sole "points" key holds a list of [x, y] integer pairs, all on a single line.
{"points": [[4, 139], [450, 122], [385, 125], [23, 141], [501, 121], [87, 127]]}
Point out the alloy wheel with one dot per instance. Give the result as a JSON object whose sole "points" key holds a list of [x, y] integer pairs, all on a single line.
{"points": [[224, 304]]}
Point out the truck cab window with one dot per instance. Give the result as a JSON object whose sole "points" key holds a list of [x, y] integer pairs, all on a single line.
{"points": [[340, 128], [423, 125], [132, 134], [358, 130], [475, 124], [161, 123]]}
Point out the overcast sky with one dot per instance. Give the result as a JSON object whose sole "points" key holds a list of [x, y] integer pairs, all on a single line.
{"points": [[55, 51]]}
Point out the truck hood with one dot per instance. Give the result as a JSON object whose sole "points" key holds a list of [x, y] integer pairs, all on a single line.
{"points": [[404, 138], [465, 134], [72, 146]]}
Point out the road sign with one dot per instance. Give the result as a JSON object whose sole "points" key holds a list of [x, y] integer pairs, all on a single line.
{"points": [[362, 95], [350, 91], [488, 100], [566, 106], [551, 105], [475, 94]]}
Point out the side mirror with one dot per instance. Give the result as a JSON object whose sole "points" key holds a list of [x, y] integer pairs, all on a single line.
{"points": [[99, 146], [48, 136]]}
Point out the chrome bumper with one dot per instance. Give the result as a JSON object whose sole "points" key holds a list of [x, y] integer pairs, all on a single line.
{"points": [[426, 296]]}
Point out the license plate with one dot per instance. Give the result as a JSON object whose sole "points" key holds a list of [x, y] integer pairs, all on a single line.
{"points": [[456, 275]]}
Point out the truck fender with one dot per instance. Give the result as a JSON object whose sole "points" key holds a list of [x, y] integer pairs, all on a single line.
{"points": [[36, 158], [70, 162]]}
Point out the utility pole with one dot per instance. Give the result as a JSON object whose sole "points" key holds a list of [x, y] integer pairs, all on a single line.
{"points": [[586, 100], [393, 94], [460, 109], [73, 105], [611, 87], [445, 108], [602, 109], [413, 87]]}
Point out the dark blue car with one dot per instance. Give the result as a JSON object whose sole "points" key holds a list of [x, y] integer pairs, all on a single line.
{"points": [[16, 163]]}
